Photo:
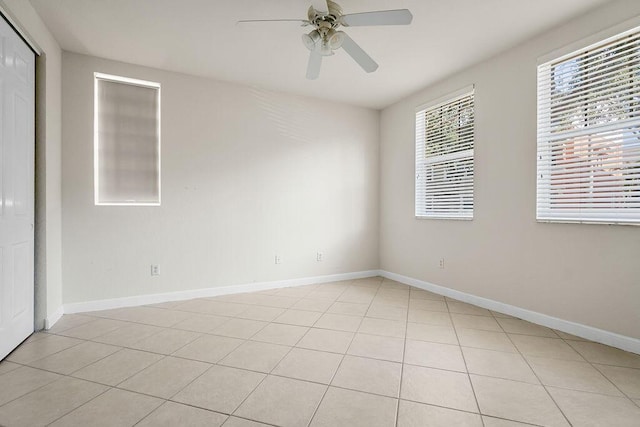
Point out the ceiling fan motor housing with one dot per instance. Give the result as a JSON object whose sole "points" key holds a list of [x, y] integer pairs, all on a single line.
{"points": [[332, 16], [325, 37]]}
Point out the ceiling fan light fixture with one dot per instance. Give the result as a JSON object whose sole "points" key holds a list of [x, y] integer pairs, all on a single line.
{"points": [[325, 49], [335, 39], [310, 40]]}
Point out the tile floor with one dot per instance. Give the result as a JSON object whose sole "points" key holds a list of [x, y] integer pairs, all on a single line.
{"points": [[368, 352]]}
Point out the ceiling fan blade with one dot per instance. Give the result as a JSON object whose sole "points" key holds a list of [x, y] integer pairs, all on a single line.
{"points": [[320, 6], [302, 22], [359, 55], [382, 17], [315, 61]]}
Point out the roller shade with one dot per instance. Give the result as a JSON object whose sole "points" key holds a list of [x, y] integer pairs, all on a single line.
{"points": [[126, 141]]}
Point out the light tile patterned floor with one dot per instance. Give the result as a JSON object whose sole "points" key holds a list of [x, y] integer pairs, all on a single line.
{"points": [[368, 352]]}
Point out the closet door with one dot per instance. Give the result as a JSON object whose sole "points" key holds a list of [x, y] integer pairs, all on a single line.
{"points": [[17, 144]]}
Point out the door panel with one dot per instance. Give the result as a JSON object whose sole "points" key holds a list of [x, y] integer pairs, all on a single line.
{"points": [[17, 143]]}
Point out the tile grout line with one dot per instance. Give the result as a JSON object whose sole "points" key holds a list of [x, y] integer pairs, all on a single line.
{"points": [[536, 375], [404, 352], [36, 360], [587, 361], [343, 357], [267, 374], [464, 359], [593, 365], [80, 406], [202, 334]]}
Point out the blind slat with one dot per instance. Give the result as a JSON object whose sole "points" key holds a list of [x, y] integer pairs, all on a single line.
{"points": [[444, 159], [589, 134]]}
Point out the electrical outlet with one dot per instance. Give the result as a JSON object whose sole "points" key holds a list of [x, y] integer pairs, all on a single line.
{"points": [[441, 262], [319, 257], [278, 260], [155, 270]]}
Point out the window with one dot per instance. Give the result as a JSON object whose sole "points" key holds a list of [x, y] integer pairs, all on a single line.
{"points": [[589, 134], [126, 141], [444, 157]]}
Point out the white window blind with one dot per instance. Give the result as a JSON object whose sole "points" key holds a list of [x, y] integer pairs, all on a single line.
{"points": [[589, 134], [126, 141], [444, 158]]}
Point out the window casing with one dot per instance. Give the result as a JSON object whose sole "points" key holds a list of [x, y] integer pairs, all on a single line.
{"points": [[126, 141], [444, 157], [588, 163]]}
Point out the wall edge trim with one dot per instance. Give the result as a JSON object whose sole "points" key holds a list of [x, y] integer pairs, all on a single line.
{"points": [[51, 320]]}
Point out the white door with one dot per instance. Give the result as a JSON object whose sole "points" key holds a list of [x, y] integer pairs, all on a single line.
{"points": [[17, 143]]}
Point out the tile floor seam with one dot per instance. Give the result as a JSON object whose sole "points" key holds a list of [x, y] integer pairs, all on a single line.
{"points": [[343, 288], [138, 349], [267, 375], [204, 409], [164, 356], [599, 371], [595, 393], [118, 384], [593, 365], [78, 407], [276, 365], [538, 377], [510, 335], [588, 391], [469, 412], [146, 416], [93, 339], [182, 346], [162, 329], [513, 421], [70, 374], [97, 336], [473, 390], [404, 353], [250, 336], [339, 364], [37, 360], [35, 389], [147, 351]]}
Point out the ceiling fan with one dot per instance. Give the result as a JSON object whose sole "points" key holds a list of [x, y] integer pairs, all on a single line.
{"points": [[326, 16]]}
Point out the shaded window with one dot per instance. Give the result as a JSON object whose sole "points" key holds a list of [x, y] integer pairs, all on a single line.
{"points": [[589, 134], [444, 158], [126, 141]]}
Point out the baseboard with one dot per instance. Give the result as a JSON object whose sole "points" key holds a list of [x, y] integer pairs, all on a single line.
{"points": [[55, 316], [106, 304], [580, 330]]}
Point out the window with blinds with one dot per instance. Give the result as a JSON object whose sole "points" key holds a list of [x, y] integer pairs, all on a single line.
{"points": [[589, 134], [444, 157], [126, 141]]}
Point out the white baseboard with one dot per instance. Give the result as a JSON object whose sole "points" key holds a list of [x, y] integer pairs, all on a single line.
{"points": [[106, 304], [55, 316], [580, 330], [583, 331]]}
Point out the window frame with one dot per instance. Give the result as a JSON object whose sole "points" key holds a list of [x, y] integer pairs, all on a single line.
{"points": [[563, 56], [97, 76], [462, 155]]}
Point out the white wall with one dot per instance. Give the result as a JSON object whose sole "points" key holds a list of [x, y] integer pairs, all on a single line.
{"points": [[48, 240], [246, 174], [587, 274]]}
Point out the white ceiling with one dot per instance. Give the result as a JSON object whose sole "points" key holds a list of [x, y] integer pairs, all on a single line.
{"points": [[201, 37]]}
